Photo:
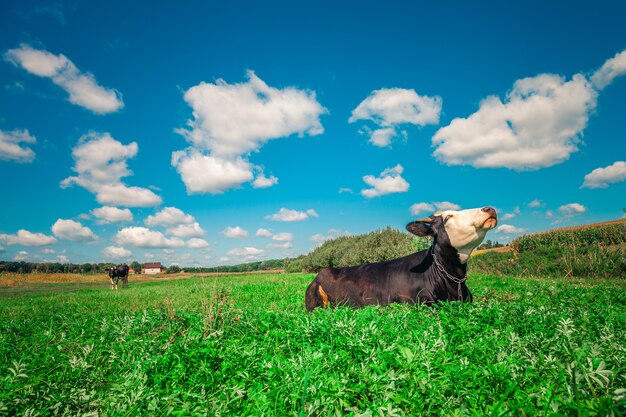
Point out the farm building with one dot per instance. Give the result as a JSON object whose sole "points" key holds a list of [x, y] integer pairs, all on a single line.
{"points": [[152, 268]]}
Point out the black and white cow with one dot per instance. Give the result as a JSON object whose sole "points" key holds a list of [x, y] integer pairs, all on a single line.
{"points": [[116, 273], [435, 274]]}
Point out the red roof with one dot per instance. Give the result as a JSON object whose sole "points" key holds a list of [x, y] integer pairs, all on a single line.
{"points": [[148, 265]]}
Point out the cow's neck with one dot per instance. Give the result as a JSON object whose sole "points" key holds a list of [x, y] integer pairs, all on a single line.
{"points": [[448, 257]]}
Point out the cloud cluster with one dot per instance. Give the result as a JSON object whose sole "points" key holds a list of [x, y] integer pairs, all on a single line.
{"points": [[261, 181], [231, 121], [389, 108], [603, 177], [10, 149], [26, 238], [572, 209], [169, 216], [196, 243], [177, 222], [288, 215], [145, 238], [507, 216], [101, 163], [433, 207], [390, 181], [116, 252], [567, 212], [332, 233], [538, 125], [280, 237], [235, 232], [72, 230], [82, 87], [108, 214], [611, 69], [245, 254], [510, 229]]}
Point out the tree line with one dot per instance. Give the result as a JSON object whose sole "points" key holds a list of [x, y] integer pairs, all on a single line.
{"points": [[21, 267]]}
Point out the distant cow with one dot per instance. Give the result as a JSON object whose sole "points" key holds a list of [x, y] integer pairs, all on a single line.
{"points": [[435, 274], [117, 272]]}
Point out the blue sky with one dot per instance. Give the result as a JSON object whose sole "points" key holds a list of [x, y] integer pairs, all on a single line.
{"points": [[211, 133]]}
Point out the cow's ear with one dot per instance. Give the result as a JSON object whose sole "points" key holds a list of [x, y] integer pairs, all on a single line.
{"points": [[421, 227]]}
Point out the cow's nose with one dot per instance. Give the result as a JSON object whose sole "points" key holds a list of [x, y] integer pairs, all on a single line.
{"points": [[490, 210]]}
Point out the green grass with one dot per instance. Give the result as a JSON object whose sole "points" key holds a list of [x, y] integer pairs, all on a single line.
{"points": [[243, 345]]}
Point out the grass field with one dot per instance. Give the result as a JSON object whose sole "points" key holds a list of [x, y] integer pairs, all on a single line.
{"points": [[243, 345]]}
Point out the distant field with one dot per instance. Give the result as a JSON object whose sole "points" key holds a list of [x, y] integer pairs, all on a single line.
{"points": [[243, 345], [41, 280]]}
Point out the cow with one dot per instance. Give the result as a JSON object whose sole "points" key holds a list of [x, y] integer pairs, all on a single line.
{"points": [[436, 274], [117, 272]]}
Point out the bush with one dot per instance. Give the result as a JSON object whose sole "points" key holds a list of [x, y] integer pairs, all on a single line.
{"points": [[594, 251], [606, 234], [380, 245]]}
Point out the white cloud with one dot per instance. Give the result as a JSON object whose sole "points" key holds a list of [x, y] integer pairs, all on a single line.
{"points": [[10, 149], [63, 259], [235, 232], [261, 181], [318, 237], [210, 174], [283, 237], [572, 209], [510, 229], [146, 238], [332, 234], [345, 190], [536, 203], [196, 243], [82, 87], [390, 181], [264, 233], [169, 216], [232, 120], [26, 238], [418, 208], [390, 107], [338, 232], [446, 205], [538, 125], [186, 230], [109, 214], [603, 177], [72, 230], [21, 256], [288, 215], [284, 245], [100, 162], [382, 137], [116, 252], [245, 254], [568, 211], [611, 69], [2, 249], [312, 213], [508, 216]]}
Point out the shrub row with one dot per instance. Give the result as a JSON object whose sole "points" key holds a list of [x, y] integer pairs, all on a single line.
{"points": [[605, 234], [380, 245], [593, 251]]}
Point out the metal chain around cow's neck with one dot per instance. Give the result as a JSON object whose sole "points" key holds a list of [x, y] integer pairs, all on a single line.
{"points": [[446, 274]]}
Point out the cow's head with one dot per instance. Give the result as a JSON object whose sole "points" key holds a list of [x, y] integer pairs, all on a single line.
{"points": [[464, 230]]}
